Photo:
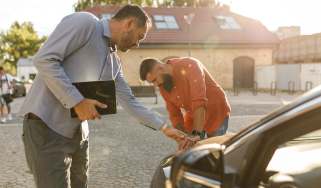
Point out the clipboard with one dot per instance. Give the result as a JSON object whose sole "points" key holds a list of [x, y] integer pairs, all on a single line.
{"points": [[102, 91]]}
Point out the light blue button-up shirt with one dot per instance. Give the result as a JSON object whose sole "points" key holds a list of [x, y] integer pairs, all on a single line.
{"points": [[77, 51]]}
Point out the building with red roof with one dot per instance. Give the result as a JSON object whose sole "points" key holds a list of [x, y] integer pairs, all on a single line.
{"points": [[228, 44]]}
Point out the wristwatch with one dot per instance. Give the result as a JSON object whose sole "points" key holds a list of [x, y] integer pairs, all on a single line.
{"points": [[201, 134]]}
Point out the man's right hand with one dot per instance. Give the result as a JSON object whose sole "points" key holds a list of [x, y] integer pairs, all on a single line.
{"points": [[173, 133], [86, 109], [189, 142]]}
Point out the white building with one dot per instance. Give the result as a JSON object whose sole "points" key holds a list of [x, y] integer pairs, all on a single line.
{"points": [[300, 77], [25, 69]]}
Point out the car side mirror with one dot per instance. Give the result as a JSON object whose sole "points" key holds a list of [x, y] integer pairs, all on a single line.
{"points": [[199, 167]]}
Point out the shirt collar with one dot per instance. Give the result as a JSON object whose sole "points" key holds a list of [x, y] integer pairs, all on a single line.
{"points": [[107, 34]]}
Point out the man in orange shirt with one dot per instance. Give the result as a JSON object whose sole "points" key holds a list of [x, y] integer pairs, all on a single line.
{"points": [[196, 104]]}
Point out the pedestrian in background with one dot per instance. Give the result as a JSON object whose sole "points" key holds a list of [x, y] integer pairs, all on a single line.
{"points": [[6, 94], [2, 109]]}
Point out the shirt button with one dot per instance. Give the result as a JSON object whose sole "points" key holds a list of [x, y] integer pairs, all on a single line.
{"points": [[178, 97]]}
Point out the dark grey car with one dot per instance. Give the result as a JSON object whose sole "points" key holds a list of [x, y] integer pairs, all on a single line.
{"points": [[282, 150], [19, 89]]}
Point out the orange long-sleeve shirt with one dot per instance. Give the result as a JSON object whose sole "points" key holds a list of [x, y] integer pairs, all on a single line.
{"points": [[194, 87]]}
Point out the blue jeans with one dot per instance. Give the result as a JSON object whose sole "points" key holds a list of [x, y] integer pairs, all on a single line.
{"points": [[221, 130]]}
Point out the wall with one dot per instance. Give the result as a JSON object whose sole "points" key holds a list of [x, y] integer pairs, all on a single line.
{"points": [[304, 48], [219, 62], [265, 75], [310, 73], [283, 73], [286, 73]]}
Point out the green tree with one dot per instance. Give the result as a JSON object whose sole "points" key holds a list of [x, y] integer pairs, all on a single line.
{"points": [[166, 3], [142, 2], [182, 3], [206, 3], [20, 41], [83, 4], [193, 3]]}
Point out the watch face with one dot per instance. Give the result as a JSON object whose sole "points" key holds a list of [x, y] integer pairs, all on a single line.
{"points": [[201, 134]]}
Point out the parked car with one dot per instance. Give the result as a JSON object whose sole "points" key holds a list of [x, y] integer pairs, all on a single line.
{"points": [[19, 89], [282, 150]]}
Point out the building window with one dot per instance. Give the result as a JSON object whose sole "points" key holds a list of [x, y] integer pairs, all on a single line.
{"points": [[107, 16], [165, 22], [226, 22]]}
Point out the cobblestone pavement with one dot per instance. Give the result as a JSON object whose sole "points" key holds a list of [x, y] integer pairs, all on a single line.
{"points": [[123, 154]]}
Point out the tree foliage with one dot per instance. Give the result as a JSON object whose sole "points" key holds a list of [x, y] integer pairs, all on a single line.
{"points": [[83, 4], [20, 41]]}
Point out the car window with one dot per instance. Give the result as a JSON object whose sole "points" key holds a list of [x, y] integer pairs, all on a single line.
{"points": [[296, 163], [312, 135]]}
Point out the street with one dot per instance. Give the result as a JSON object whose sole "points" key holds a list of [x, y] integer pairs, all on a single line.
{"points": [[122, 152]]}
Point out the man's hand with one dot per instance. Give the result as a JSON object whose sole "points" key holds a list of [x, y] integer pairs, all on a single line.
{"points": [[188, 142], [86, 109], [173, 133]]}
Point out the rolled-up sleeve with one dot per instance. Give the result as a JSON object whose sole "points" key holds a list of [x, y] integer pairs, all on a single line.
{"points": [[196, 79], [127, 100], [175, 114], [70, 34]]}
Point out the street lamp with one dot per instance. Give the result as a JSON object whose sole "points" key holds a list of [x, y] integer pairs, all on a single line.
{"points": [[189, 18]]}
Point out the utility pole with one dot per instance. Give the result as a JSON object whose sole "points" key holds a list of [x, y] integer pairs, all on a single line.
{"points": [[189, 18]]}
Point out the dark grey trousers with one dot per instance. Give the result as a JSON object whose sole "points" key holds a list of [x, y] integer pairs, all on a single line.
{"points": [[54, 160]]}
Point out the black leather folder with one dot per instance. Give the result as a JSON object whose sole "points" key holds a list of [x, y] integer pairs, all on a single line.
{"points": [[102, 91]]}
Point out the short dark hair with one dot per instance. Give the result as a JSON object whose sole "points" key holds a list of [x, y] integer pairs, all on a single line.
{"points": [[146, 66], [165, 59], [135, 11], [1, 68]]}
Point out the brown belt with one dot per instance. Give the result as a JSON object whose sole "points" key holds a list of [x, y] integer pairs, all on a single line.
{"points": [[32, 116]]}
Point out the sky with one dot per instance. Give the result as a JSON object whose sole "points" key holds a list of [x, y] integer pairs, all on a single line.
{"points": [[275, 13], [46, 14]]}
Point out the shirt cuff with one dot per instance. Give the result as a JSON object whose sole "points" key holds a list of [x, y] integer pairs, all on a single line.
{"points": [[71, 100], [157, 124]]}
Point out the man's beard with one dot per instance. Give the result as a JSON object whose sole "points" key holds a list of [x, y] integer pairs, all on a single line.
{"points": [[168, 83], [126, 41]]}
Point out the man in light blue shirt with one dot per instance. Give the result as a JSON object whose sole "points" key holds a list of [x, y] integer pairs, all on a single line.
{"points": [[81, 48]]}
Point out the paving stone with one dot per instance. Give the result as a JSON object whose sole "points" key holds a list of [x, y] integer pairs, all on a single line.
{"points": [[123, 153]]}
